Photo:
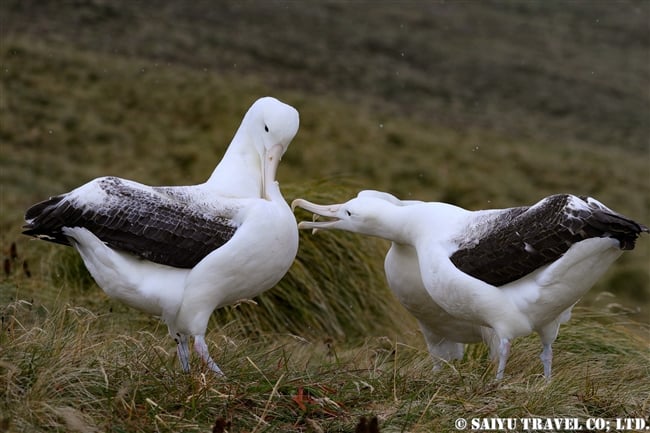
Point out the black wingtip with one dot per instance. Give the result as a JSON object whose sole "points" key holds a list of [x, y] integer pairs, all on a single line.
{"points": [[56, 237], [629, 242], [41, 224], [35, 210], [609, 223]]}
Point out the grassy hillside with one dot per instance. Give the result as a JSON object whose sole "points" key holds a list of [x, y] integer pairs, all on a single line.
{"points": [[484, 104], [545, 70]]}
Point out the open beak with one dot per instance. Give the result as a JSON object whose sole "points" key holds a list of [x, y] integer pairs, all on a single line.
{"points": [[270, 168], [328, 211]]}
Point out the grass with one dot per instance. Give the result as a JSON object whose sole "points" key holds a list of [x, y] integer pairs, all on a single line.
{"points": [[488, 105], [71, 369]]}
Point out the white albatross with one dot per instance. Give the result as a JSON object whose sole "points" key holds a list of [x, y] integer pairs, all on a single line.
{"points": [[493, 274], [180, 252]]}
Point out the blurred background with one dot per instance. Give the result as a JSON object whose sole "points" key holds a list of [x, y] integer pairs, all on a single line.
{"points": [[481, 104]]}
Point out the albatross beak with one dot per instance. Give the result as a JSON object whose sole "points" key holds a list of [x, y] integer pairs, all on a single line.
{"points": [[270, 168], [329, 211]]}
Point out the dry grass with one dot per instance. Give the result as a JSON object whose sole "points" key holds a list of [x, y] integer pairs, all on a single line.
{"points": [[69, 369]]}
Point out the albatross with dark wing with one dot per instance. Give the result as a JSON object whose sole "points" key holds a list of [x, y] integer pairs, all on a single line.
{"points": [[180, 252], [491, 274]]}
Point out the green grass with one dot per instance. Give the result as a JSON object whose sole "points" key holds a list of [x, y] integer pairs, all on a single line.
{"points": [[488, 105]]}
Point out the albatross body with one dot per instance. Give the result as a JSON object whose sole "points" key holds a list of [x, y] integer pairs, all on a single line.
{"points": [[494, 274], [444, 334], [180, 252]]}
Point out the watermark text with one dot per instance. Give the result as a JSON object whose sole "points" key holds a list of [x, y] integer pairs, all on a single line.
{"points": [[538, 424]]}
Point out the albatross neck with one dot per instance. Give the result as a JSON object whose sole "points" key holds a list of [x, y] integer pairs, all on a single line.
{"points": [[391, 222], [414, 224], [239, 174]]}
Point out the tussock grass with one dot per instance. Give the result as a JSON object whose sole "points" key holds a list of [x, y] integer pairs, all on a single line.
{"points": [[66, 369]]}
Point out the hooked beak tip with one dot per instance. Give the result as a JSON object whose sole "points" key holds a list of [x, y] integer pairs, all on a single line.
{"points": [[270, 167]]}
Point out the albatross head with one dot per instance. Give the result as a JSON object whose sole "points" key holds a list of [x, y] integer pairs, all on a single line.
{"points": [[250, 164], [369, 213], [271, 125]]}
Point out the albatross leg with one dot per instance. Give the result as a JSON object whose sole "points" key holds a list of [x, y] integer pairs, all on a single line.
{"points": [[547, 359], [547, 335], [183, 351], [202, 349], [504, 352]]}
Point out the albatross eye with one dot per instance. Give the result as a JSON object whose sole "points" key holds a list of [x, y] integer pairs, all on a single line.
{"points": [[266, 128], [348, 213]]}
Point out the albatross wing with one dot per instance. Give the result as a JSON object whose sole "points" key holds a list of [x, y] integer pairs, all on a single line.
{"points": [[168, 225], [505, 245]]}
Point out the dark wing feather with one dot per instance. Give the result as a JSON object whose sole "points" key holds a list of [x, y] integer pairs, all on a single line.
{"points": [[512, 243], [157, 227]]}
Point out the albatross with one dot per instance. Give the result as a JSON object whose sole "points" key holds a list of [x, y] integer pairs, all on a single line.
{"points": [[180, 252], [490, 275]]}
